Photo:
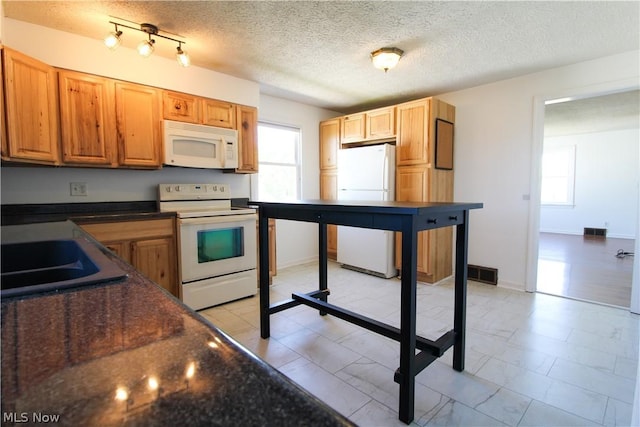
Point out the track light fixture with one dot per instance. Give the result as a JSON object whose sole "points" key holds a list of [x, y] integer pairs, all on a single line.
{"points": [[146, 46], [182, 56], [112, 41]]}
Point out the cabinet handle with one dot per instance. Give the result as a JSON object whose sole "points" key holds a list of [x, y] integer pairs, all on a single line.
{"points": [[432, 221], [178, 106], [453, 218]]}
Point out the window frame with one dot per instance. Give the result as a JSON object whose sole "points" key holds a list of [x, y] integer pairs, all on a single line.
{"points": [[570, 177], [255, 178]]}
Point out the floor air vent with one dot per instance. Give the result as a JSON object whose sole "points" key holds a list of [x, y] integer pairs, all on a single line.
{"points": [[595, 232], [482, 274]]}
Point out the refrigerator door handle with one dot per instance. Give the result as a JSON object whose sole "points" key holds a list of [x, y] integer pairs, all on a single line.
{"points": [[386, 172]]}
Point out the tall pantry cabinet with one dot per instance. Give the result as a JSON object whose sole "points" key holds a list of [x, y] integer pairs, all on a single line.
{"points": [[329, 145], [418, 180]]}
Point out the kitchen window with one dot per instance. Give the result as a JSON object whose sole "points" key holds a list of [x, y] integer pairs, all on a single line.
{"points": [[279, 163], [558, 175]]}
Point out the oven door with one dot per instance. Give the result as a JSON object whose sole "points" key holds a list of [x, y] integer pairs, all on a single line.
{"points": [[217, 245]]}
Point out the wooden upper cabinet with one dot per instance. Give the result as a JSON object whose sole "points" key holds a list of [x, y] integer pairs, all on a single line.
{"points": [[87, 119], [247, 126], [219, 113], [381, 123], [138, 125], [353, 128], [31, 108], [412, 133], [181, 107], [370, 125], [329, 143]]}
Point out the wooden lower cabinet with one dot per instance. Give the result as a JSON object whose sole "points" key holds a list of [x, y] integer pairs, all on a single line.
{"points": [[273, 269], [329, 191], [435, 259], [148, 245]]}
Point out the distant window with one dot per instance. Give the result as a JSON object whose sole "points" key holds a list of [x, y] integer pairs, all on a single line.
{"points": [[279, 162], [558, 175]]}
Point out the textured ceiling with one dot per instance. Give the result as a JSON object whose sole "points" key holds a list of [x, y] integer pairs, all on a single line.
{"points": [[318, 52], [597, 114]]}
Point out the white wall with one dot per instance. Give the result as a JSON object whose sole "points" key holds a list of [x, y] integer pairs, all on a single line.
{"points": [[606, 177], [495, 144], [297, 242]]}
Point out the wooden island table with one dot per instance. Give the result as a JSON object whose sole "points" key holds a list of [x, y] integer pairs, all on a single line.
{"points": [[409, 218]]}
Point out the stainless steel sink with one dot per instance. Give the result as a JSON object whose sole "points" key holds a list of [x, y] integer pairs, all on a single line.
{"points": [[41, 266]]}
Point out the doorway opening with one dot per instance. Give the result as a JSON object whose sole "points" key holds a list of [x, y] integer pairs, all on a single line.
{"points": [[588, 211]]}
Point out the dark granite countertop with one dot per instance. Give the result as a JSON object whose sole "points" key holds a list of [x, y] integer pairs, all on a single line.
{"points": [[81, 212], [128, 353]]}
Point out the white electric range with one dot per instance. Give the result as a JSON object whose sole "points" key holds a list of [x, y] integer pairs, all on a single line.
{"points": [[216, 243]]}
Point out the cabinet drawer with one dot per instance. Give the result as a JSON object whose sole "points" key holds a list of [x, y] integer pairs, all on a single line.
{"points": [[130, 230]]}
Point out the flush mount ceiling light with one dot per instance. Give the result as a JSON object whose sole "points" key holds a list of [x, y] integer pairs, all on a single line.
{"points": [[386, 57], [146, 47]]}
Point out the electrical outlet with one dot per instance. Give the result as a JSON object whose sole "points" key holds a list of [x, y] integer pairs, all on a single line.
{"points": [[78, 188]]}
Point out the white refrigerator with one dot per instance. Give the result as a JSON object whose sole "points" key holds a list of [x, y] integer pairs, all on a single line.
{"points": [[367, 173]]}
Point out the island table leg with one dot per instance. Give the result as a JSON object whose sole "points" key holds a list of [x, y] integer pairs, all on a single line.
{"points": [[263, 252]]}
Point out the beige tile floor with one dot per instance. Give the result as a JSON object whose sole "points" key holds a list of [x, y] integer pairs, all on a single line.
{"points": [[531, 359]]}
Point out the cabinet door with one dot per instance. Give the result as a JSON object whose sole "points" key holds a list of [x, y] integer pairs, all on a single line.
{"points": [[329, 191], [273, 265], [156, 259], [138, 125], [412, 133], [412, 186], [329, 143], [381, 123], [353, 129], [218, 113], [273, 270], [31, 107], [247, 139], [119, 248], [181, 107], [87, 119]]}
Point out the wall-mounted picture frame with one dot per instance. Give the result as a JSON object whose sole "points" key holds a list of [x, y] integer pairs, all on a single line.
{"points": [[444, 144]]}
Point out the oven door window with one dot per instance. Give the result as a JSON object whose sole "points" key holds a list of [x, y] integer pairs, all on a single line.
{"points": [[218, 244]]}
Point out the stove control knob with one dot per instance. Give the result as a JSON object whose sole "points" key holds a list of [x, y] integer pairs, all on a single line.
{"points": [[167, 189], [214, 188], [178, 188]]}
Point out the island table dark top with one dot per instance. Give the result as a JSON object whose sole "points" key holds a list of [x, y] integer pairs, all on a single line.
{"points": [[366, 214], [76, 354]]}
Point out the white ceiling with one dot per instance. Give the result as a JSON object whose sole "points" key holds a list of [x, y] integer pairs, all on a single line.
{"points": [[595, 114], [318, 52]]}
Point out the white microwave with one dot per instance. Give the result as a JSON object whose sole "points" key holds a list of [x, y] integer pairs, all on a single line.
{"points": [[200, 146]]}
